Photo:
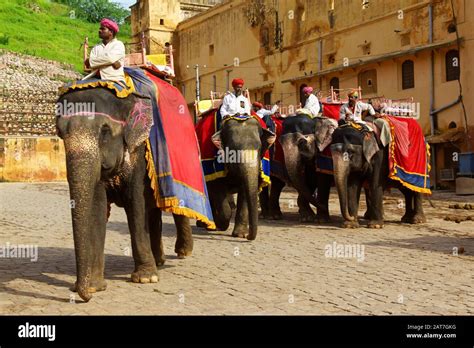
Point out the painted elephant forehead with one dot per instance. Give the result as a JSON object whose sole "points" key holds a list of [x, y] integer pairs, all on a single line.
{"points": [[298, 124], [347, 135]]}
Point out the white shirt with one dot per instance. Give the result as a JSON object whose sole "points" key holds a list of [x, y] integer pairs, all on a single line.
{"points": [[312, 104], [232, 105], [264, 112], [108, 54], [346, 113]]}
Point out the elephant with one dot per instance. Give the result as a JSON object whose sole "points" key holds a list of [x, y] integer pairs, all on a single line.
{"points": [[242, 175], [300, 154], [105, 160], [359, 157]]}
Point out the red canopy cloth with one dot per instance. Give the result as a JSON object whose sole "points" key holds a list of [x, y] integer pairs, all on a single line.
{"points": [[331, 110], [409, 154]]}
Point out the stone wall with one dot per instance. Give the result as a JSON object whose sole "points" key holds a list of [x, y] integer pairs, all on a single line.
{"points": [[29, 149]]}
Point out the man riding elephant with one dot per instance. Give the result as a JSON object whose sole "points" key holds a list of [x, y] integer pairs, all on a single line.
{"points": [[107, 57]]}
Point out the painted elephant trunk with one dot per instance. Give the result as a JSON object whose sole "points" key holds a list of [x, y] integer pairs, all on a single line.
{"points": [[250, 175], [83, 173], [341, 173], [294, 166]]}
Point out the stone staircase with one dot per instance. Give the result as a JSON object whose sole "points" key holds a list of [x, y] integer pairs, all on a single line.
{"points": [[28, 93]]}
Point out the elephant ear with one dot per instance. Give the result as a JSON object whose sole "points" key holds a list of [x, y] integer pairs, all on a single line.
{"points": [[216, 140], [138, 124], [267, 138], [369, 146]]}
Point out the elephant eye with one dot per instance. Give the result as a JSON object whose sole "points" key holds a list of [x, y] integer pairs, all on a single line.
{"points": [[105, 132]]}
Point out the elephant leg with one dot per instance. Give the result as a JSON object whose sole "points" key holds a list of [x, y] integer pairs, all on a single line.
{"points": [[409, 200], [263, 198], [376, 193], [220, 204], [418, 213], [184, 236], [324, 187], [368, 204], [138, 224], [306, 213], [354, 186], [275, 192], [242, 216], [155, 227]]}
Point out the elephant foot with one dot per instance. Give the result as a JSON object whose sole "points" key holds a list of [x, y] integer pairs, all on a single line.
{"points": [[182, 254], [276, 214], [201, 224], [375, 224], [160, 261], [251, 236], [240, 232], [264, 214], [145, 274], [94, 286], [350, 224], [366, 215], [322, 218], [307, 217], [417, 219]]}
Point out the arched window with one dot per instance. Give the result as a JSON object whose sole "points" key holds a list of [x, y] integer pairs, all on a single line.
{"points": [[267, 98], [452, 65], [408, 74], [334, 83], [302, 97]]}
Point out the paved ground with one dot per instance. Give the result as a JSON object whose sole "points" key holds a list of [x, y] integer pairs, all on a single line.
{"points": [[288, 270]]}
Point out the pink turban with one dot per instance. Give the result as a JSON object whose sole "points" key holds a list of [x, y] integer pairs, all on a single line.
{"points": [[308, 90], [108, 23]]}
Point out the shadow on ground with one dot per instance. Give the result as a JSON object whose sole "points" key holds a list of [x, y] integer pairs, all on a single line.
{"points": [[57, 261]]}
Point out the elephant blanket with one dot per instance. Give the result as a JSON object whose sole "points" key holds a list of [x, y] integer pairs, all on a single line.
{"points": [[172, 150], [277, 167], [208, 125], [409, 154], [172, 153]]}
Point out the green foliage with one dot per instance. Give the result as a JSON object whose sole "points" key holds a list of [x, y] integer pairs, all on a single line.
{"points": [[4, 39], [46, 29], [94, 10]]}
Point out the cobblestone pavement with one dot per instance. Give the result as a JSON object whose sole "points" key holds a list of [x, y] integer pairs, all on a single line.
{"points": [[401, 269]]}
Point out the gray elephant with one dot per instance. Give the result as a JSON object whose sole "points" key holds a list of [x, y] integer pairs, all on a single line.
{"points": [[359, 157], [301, 155], [105, 158], [247, 141]]}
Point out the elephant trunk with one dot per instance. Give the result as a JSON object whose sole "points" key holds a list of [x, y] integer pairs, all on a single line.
{"points": [[83, 174], [250, 173], [251, 194], [341, 173]]}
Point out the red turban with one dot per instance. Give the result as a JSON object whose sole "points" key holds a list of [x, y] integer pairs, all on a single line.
{"points": [[108, 23], [237, 82], [257, 105]]}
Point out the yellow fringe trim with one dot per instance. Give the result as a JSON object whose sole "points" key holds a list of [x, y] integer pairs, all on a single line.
{"points": [[214, 176], [124, 93], [170, 204]]}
